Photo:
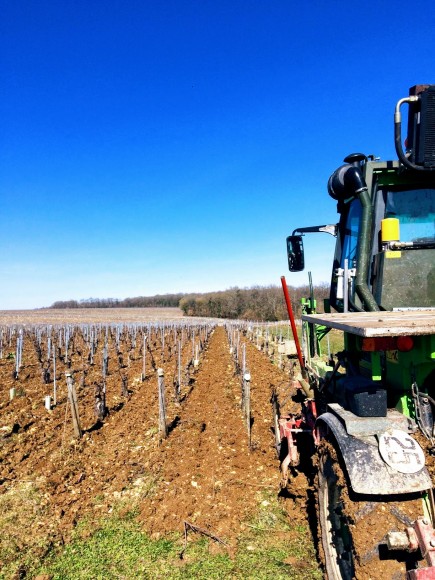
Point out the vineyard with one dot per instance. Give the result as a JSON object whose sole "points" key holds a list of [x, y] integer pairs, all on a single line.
{"points": [[171, 417]]}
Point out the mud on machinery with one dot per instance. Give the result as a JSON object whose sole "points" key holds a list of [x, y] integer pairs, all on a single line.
{"points": [[371, 407]]}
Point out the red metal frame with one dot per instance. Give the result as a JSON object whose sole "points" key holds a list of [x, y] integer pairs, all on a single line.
{"points": [[289, 426], [293, 324], [422, 535]]}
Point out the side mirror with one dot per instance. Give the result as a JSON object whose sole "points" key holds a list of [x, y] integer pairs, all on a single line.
{"points": [[295, 253]]}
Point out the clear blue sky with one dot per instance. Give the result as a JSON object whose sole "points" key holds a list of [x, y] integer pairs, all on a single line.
{"points": [[158, 146]]}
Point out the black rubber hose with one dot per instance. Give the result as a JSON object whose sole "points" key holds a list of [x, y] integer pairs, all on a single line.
{"points": [[363, 257], [355, 182], [399, 150], [354, 306]]}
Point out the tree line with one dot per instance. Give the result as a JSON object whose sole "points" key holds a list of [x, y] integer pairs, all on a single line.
{"points": [[157, 301], [260, 303]]}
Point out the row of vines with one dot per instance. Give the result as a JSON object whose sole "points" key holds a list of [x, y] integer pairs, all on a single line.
{"points": [[155, 416], [93, 369]]}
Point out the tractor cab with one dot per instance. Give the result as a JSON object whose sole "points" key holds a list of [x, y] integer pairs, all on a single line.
{"points": [[385, 248]]}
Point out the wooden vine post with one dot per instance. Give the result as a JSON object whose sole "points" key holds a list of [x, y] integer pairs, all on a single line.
{"points": [[72, 398], [144, 357], [163, 429], [177, 382]]}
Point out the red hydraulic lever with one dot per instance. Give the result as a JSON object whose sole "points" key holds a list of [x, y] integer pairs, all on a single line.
{"points": [[292, 323]]}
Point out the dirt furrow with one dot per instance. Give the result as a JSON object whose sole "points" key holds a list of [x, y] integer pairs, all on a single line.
{"points": [[267, 377], [208, 475], [204, 472]]}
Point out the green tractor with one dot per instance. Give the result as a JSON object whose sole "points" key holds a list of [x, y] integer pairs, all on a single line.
{"points": [[371, 406]]}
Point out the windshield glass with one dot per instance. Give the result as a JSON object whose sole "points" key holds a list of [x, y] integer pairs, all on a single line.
{"points": [[415, 209], [350, 241]]}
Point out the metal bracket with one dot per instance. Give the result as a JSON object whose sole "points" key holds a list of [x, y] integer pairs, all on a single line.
{"points": [[421, 535]]}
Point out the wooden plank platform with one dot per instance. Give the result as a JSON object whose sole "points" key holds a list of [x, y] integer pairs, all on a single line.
{"points": [[371, 324]]}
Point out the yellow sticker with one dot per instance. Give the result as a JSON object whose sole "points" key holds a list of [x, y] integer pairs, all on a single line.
{"points": [[393, 254]]}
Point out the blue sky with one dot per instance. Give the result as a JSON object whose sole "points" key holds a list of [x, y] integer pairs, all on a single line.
{"points": [[161, 146]]}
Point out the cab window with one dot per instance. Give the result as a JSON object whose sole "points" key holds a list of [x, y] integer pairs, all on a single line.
{"points": [[415, 210], [350, 240]]}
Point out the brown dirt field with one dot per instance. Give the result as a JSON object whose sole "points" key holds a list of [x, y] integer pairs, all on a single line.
{"points": [[88, 315], [204, 472], [210, 476]]}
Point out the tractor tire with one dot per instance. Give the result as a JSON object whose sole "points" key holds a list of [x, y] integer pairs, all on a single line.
{"points": [[352, 531]]}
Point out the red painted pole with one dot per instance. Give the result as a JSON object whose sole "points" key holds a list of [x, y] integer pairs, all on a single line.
{"points": [[292, 323]]}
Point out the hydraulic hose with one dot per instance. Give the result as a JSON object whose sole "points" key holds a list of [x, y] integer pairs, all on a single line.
{"points": [[354, 306], [356, 183], [398, 137]]}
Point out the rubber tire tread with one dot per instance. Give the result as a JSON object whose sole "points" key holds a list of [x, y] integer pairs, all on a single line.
{"points": [[368, 523]]}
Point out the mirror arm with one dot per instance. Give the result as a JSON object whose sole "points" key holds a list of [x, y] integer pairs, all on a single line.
{"points": [[329, 229]]}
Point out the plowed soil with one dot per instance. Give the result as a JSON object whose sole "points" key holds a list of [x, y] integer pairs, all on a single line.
{"points": [[204, 472], [209, 473], [86, 315]]}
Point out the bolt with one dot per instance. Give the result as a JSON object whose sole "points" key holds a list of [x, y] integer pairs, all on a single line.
{"points": [[425, 522], [432, 543]]}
